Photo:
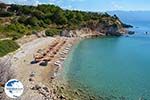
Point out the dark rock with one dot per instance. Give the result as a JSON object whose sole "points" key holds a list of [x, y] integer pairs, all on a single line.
{"points": [[62, 87], [131, 32], [37, 87], [52, 77], [77, 93], [31, 79], [44, 63], [127, 26], [54, 91], [33, 62], [62, 97], [46, 89]]}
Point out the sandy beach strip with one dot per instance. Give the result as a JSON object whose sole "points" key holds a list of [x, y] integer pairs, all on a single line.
{"points": [[21, 63], [33, 74]]}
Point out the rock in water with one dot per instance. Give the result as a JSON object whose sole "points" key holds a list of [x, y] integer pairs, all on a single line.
{"points": [[131, 32]]}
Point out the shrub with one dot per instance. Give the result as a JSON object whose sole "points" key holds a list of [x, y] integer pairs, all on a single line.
{"points": [[59, 18], [20, 28], [33, 21], [16, 30], [52, 32], [22, 19], [5, 14]]}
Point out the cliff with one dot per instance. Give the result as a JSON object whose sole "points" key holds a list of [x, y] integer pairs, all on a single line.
{"points": [[97, 28]]}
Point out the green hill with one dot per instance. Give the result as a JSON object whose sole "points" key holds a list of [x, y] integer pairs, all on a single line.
{"points": [[19, 20]]}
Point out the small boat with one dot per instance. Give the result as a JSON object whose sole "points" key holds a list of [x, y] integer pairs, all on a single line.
{"points": [[146, 33]]}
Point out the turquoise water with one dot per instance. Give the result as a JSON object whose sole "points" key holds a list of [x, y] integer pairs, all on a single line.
{"points": [[117, 67]]}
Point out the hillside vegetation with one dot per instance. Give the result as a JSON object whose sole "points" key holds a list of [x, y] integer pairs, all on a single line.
{"points": [[19, 20], [7, 46]]}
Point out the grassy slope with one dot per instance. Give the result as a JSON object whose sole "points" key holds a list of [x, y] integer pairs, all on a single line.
{"points": [[7, 46]]}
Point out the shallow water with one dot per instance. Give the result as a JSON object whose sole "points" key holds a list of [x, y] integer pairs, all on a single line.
{"points": [[117, 67]]}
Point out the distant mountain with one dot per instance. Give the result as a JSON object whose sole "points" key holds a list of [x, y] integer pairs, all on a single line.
{"points": [[132, 16]]}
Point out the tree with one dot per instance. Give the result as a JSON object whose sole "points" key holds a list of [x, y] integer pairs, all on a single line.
{"points": [[38, 14], [79, 16], [2, 6], [59, 18], [47, 21], [22, 19], [5, 14], [25, 10], [33, 21], [45, 8]]}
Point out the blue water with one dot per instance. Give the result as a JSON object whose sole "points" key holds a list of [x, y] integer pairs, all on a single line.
{"points": [[113, 66]]}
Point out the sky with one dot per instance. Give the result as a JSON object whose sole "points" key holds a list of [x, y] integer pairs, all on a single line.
{"points": [[91, 5]]}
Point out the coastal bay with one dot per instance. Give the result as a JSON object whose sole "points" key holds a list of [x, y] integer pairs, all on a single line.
{"points": [[111, 67], [61, 54]]}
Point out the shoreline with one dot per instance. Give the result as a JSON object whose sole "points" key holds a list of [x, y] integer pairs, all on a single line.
{"points": [[67, 91], [37, 79], [43, 81], [53, 82]]}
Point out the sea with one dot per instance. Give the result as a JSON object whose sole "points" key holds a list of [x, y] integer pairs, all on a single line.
{"points": [[114, 67]]}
